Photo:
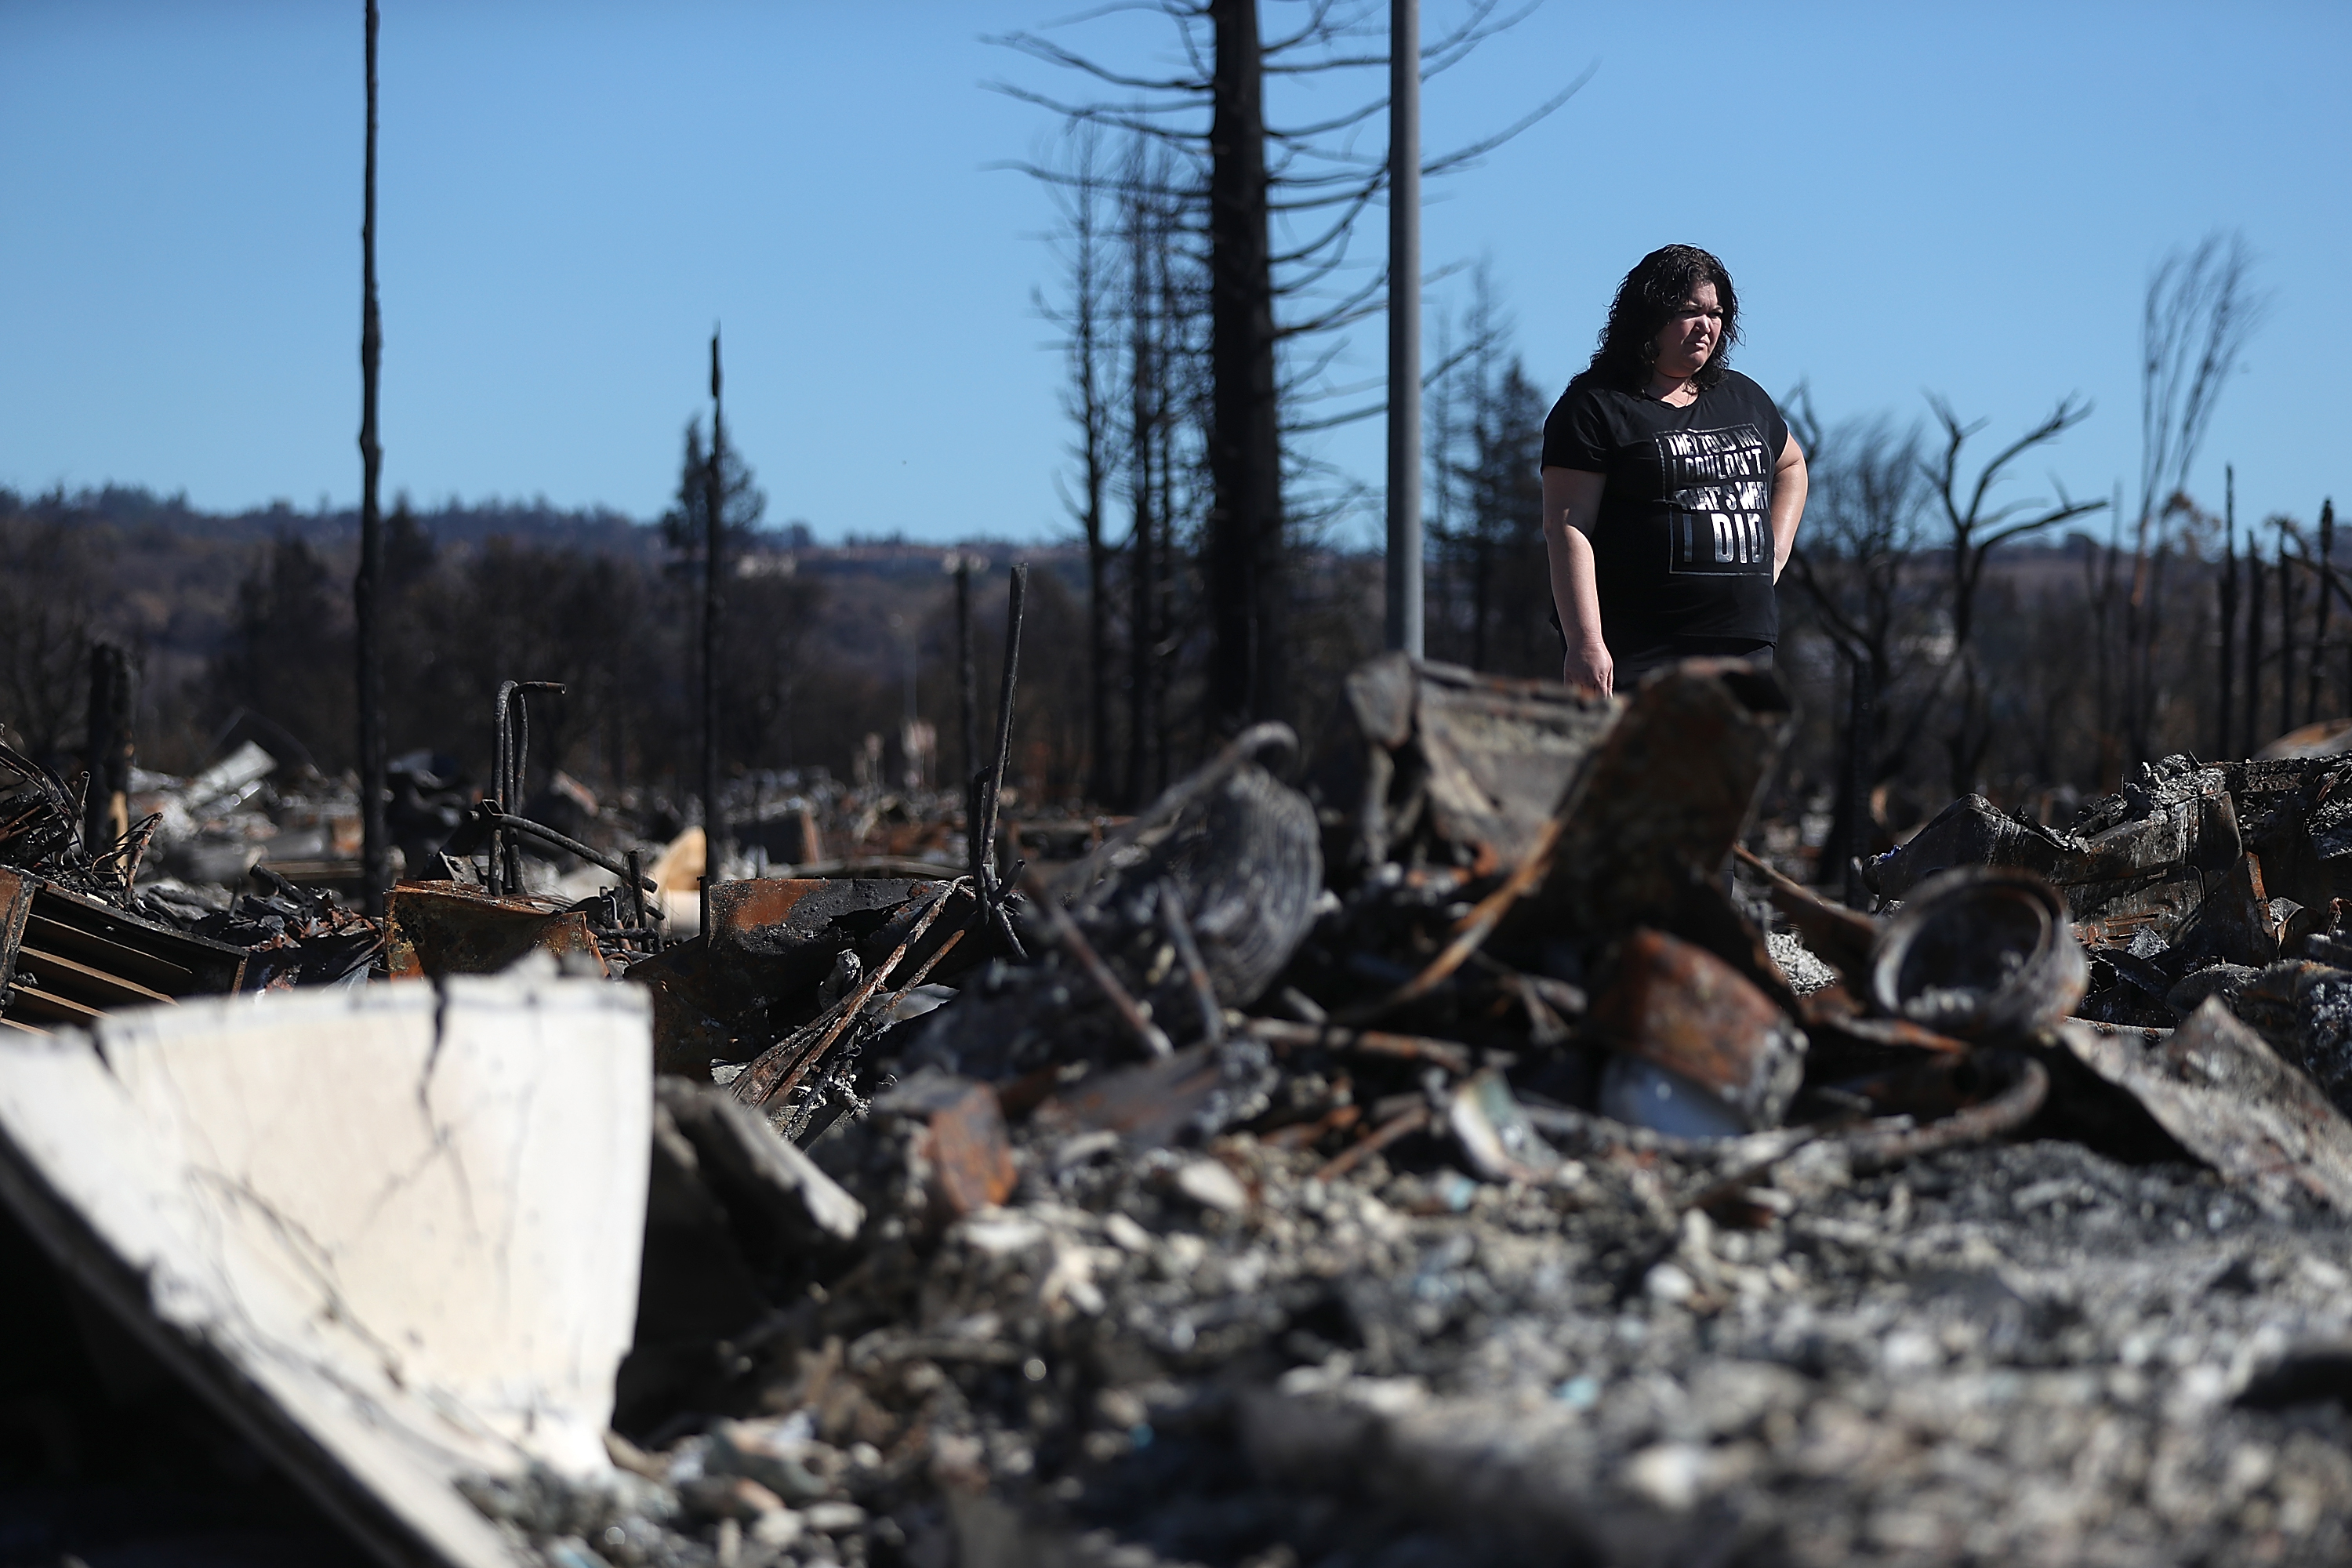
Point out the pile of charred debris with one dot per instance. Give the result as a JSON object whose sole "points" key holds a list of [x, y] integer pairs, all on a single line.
{"points": [[1453, 1147]]}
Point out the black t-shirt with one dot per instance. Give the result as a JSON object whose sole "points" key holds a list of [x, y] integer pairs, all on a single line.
{"points": [[1683, 547]]}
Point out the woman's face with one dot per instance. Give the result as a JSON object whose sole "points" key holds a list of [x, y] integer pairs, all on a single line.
{"points": [[1690, 335]]}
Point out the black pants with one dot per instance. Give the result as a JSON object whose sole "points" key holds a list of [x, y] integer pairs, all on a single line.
{"points": [[1633, 666]]}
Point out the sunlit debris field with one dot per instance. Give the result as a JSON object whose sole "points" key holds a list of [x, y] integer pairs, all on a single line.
{"points": [[1455, 1145]]}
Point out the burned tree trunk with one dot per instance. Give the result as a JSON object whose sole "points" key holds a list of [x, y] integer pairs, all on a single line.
{"points": [[2255, 573], [1851, 837], [714, 829], [367, 592], [106, 815], [2228, 682], [1245, 565], [2290, 602], [1142, 624], [2322, 581]]}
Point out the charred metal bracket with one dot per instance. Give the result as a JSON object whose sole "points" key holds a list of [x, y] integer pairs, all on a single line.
{"points": [[491, 822], [434, 929], [512, 719]]}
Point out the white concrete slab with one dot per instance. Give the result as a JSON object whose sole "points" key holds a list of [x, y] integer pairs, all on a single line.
{"points": [[393, 1229]]}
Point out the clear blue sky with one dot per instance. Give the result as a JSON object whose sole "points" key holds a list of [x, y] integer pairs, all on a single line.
{"points": [[1965, 199]]}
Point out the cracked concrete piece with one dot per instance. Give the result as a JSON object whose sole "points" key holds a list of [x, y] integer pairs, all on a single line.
{"points": [[391, 1230]]}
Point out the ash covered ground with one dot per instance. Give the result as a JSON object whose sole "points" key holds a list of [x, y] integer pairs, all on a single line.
{"points": [[2016, 1353]]}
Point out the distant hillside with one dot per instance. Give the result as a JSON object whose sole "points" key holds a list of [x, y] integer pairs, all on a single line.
{"points": [[165, 579]]}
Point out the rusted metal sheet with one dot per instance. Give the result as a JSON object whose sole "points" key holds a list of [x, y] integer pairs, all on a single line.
{"points": [[741, 908], [1184, 1098], [68, 960], [961, 1140], [2214, 1085], [440, 928], [793, 929], [971, 1157], [1663, 799], [1679, 1007], [775, 940]]}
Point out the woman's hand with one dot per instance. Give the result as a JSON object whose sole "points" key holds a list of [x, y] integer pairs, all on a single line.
{"points": [[1589, 668]]}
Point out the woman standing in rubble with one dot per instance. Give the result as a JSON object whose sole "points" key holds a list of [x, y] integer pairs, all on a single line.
{"points": [[1672, 487]]}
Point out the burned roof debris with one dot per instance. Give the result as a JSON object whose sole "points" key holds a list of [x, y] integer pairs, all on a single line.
{"points": [[1455, 1145]]}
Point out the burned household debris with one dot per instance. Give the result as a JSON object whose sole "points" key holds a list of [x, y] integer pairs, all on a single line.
{"points": [[1453, 1145]]}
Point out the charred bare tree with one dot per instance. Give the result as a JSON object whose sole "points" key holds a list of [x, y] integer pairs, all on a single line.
{"points": [[1147, 399], [2227, 585], [2255, 576], [48, 616], [2198, 313], [2101, 588], [714, 555], [367, 590], [717, 507], [967, 694], [105, 812], [1316, 179], [1163, 322], [2290, 598], [2323, 583], [1854, 564], [1087, 323], [1975, 528], [1486, 527], [1244, 556]]}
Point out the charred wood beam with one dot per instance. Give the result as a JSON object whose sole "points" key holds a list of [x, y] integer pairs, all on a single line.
{"points": [[1188, 951], [1065, 935]]}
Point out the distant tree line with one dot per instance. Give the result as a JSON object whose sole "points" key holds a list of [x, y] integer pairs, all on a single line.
{"points": [[1941, 633]]}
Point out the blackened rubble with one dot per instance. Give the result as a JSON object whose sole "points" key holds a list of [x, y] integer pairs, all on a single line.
{"points": [[1450, 1156], [1358, 1272]]}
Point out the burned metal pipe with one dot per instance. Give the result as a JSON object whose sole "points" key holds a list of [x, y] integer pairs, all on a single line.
{"points": [[506, 821], [1981, 951]]}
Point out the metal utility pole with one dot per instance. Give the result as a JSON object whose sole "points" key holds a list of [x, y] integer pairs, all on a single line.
{"points": [[714, 500], [367, 592], [1404, 601]]}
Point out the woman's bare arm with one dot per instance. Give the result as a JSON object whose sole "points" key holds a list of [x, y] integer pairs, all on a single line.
{"points": [[1789, 485], [1572, 499]]}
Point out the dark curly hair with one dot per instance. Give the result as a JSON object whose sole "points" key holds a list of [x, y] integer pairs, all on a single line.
{"points": [[1649, 298]]}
